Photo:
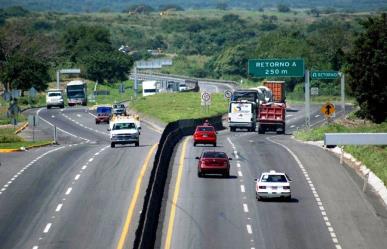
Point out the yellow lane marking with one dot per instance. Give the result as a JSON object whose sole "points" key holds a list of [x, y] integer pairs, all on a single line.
{"points": [[133, 202], [175, 196]]}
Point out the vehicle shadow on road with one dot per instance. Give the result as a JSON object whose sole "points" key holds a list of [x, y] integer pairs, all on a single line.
{"points": [[292, 200], [220, 177], [132, 146]]}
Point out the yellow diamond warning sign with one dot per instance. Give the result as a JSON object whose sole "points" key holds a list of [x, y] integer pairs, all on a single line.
{"points": [[328, 109]]}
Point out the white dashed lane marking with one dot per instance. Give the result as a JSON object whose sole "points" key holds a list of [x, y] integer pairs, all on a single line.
{"points": [[68, 191], [47, 228], [243, 188], [77, 177], [249, 230], [245, 208], [59, 207]]}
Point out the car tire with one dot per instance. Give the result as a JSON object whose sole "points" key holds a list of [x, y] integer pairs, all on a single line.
{"points": [[48, 107], [137, 144], [194, 144], [62, 106], [261, 131], [200, 174], [232, 129], [96, 122], [214, 144], [227, 174], [112, 145], [288, 198]]}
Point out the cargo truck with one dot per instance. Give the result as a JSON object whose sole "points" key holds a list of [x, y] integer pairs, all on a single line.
{"points": [[278, 90], [271, 118]]}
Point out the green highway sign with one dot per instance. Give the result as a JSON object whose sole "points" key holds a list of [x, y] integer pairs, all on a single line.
{"points": [[318, 75], [276, 67]]}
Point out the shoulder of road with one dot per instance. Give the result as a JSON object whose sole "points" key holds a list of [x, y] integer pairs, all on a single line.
{"points": [[359, 167]]}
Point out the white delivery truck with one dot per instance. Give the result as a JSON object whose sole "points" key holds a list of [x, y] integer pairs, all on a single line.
{"points": [[124, 131], [242, 114], [149, 87]]}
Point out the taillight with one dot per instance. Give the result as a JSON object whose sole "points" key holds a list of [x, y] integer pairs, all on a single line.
{"points": [[286, 187], [262, 187]]}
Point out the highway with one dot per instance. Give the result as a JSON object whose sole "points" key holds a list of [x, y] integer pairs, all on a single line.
{"points": [[328, 208], [78, 194]]}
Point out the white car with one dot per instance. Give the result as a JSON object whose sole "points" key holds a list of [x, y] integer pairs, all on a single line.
{"points": [[273, 184], [54, 97]]}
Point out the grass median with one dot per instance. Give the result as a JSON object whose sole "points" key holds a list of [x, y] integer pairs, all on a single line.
{"points": [[169, 107], [9, 140], [374, 157]]}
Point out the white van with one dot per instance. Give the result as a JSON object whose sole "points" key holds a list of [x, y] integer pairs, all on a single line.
{"points": [[149, 87], [242, 114]]}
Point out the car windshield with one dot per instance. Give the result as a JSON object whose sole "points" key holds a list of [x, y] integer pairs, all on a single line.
{"points": [[207, 128], [274, 178], [214, 154], [122, 126], [54, 94], [118, 106]]}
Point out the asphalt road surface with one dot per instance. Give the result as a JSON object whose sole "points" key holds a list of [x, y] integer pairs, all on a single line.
{"points": [[78, 194], [328, 208]]}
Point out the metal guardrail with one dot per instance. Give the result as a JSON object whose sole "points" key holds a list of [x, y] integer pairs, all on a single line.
{"points": [[151, 75], [355, 139]]}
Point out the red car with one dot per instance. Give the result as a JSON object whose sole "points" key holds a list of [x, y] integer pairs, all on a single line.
{"points": [[214, 162], [104, 113], [205, 134]]}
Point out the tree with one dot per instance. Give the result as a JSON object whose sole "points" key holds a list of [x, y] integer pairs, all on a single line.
{"points": [[283, 8], [24, 57], [221, 6], [367, 68], [110, 66], [24, 71], [174, 7]]}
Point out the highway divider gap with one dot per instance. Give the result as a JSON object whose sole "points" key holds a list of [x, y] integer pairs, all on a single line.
{"points": [[146, 233]]}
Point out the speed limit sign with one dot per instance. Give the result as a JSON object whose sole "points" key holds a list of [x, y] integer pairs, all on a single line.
{"points": [[206, 98], [227, 94]]}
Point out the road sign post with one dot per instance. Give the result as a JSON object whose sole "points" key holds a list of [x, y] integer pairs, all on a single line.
{"points": [[205, 100], [276, 67], [307, 100], [342, 92], [65, 71]]}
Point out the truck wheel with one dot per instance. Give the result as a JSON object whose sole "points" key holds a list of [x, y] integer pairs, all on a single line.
{"points": [[96, 122], [48, 107], [232, 129], [194, 144], [137, 144], [214, 144], [261, 131], [62, 106], [112, 145]]}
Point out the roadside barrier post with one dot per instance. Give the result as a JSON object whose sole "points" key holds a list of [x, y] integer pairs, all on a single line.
{"points": [[55, 135], [365, 181]]}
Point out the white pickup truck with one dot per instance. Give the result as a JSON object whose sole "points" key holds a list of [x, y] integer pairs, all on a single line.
{"points": [[124, 131], [54, 97]]}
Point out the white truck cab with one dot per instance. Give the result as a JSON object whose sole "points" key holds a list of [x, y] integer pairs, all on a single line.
{"points": [[124, 131]]}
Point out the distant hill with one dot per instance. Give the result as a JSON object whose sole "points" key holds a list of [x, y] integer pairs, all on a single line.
{"points": [[121, 5]]}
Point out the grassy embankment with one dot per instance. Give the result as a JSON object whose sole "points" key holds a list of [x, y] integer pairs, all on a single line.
{"points": [[374, 157], [169, 107], [9, 140]]}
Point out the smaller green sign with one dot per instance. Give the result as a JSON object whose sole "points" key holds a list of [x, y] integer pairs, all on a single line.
{"points": [[318, 75]]}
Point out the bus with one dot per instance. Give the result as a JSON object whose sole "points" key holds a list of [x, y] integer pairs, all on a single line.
{"points": [[149, 87], [76, 93]]}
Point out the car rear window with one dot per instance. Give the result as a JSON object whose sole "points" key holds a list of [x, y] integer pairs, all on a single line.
{"points": [[274, 178], [54, 94], [121, 126], [205, 128], [104, 110], [214, 154]]}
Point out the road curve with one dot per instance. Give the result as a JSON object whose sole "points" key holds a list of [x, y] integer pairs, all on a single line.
{"points": [[76, 194]]}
